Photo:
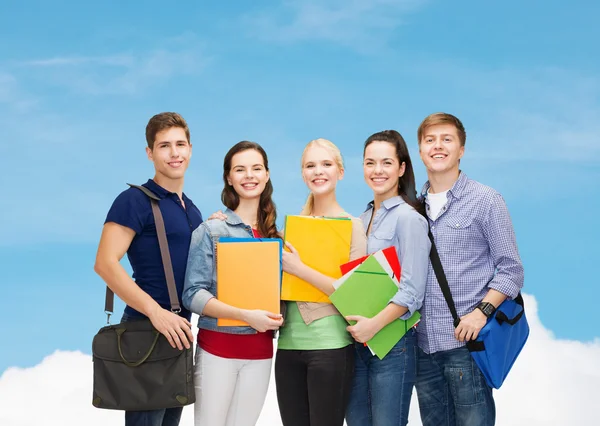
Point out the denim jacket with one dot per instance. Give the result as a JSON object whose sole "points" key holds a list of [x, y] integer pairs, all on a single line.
{"points": [[201, 273]]}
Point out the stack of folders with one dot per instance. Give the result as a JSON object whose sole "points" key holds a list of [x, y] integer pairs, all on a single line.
{"points": [[248, 274], [323, 243], [365, 289]]}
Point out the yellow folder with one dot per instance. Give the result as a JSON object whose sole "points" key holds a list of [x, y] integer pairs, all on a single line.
{"points": [[248, 275], [324, 245]]}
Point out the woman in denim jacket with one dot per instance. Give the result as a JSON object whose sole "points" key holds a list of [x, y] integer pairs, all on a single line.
{"points": [[315, 356], [382, 389], [233, 363]]}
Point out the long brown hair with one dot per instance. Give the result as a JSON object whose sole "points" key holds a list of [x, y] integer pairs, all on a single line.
{"points": [[406, 183], [267, 213]]}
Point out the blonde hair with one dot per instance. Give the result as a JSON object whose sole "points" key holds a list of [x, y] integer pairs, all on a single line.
{"points": [[443, 118], [339, 161]]}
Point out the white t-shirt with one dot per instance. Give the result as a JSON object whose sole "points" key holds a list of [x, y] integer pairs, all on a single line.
{"points": [[436, 203]]}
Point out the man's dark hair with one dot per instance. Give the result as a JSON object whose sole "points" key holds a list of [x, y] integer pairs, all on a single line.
{"points": [[164, 121]]}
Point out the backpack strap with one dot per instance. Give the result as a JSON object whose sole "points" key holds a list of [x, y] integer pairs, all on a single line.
{"points": [[164, 252]]}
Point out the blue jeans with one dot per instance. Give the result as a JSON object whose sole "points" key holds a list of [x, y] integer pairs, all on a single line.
{"points": [[452, 390], [381, 389], [164, 417]]}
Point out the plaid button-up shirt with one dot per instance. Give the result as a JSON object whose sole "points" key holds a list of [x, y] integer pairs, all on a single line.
{"points": [[477, 246]]}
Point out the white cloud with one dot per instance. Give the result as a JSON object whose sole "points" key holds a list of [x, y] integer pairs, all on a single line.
{"points": [[554, 382], [74, 152], [12, 96], [122, 73], [117, 60], [355, 23]]}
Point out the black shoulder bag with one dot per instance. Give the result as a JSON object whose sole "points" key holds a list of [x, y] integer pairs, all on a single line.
{"points": [[135, 367]]}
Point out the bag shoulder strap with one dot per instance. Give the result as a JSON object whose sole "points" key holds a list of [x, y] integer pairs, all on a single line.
{"points": [[436, 263], [164, 252]]}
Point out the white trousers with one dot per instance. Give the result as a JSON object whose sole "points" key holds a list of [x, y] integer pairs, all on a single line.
{"points": [[229, 392]]}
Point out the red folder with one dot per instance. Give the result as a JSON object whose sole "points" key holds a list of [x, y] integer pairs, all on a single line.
{"points": [[390, 255]]}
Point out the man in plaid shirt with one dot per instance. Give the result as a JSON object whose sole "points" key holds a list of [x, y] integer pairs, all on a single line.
{"points": [[477, 247]]}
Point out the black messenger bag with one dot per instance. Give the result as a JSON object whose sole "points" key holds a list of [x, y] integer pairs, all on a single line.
{"points": [[135, 367]]}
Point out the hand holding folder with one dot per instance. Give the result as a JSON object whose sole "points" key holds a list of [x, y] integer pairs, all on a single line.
{"points": [[248, 275], [366, 290], [323, 244]]}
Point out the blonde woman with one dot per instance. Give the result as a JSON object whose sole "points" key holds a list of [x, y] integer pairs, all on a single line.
{"points": [[315, 357]]}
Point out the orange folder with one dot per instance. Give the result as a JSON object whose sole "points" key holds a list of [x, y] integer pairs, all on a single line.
{"points": [[248, 275], [324, 245]]}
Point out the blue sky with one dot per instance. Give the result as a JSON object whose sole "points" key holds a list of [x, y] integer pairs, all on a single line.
{"points": [[78, 82]]}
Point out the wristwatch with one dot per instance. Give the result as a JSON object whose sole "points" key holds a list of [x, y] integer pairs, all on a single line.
{"points": [[487, 308]]}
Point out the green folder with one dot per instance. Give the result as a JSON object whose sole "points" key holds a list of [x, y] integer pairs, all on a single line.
{"points": [[366, 292]]}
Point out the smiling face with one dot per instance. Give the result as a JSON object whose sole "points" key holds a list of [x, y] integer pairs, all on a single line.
{"points": [[171, 153], [440, 149], [320, 169], [382, 170], [248, 175]]}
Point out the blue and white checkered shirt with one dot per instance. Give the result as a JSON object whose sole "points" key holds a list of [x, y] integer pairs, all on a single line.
{"points": [[477, 246]]}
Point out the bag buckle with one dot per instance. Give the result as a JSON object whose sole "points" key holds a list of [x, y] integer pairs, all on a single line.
{"points": [[108, 314]]}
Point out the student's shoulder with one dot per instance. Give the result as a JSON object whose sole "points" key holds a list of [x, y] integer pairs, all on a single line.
{"points": [[133, 195], [214, 228], [131, 200], [480, 192], [358, 226], [347, 215], [407, 216], [131, 208], [357, 222]]}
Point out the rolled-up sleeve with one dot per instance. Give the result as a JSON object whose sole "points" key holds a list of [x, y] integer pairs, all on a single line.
{"points": [[413, 252], [199, 271], [502, 242]]}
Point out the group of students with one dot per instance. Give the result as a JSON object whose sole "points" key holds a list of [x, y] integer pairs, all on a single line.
{"points": [[324, 373]]}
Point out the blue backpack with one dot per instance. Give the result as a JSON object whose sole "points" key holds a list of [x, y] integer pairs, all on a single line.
{"points": [[500, 341]]}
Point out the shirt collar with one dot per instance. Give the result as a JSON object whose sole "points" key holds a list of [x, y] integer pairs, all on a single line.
{"points": [[157, 189], [232, 218], [389, 203], [162, 192], [456, 190]]}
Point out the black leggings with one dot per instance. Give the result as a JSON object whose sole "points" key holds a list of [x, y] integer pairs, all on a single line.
{"points": [[313, 386]]}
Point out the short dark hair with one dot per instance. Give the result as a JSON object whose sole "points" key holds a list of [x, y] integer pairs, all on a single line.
{"points": [[164, 121]]}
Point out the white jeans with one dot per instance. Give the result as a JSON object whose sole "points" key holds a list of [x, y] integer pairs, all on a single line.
{"points": [[229, 392]]}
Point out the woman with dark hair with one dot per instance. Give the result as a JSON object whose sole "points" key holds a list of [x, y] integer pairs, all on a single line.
{"points": [[233, 363], [382, 389]]}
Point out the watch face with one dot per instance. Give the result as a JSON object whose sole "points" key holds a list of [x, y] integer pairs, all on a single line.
{"points": [[487, 309]]}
